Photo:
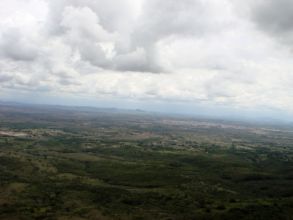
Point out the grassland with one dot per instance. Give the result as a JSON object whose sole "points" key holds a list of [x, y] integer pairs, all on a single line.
{"points": [[78, 163]]}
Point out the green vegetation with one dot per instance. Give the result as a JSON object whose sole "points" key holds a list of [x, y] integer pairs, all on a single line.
{"points": [[87, 164]]}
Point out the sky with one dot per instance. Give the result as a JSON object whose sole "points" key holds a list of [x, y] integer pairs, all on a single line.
{"points": [[191, 56]]}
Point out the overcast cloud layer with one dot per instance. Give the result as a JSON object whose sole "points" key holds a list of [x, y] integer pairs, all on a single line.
{"points": [[229, 52]]}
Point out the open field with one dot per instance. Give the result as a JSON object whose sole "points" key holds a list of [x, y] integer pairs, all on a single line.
{"points": [[78, 163]]}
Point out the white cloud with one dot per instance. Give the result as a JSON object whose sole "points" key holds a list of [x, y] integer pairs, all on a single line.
{"points": [[189, 51]]}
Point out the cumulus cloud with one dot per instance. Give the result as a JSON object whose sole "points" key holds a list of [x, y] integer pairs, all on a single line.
{"points": [[17, 47], [189, 51]]}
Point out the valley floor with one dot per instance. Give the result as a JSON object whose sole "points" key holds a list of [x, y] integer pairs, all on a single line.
{"points": [[79, 164]]}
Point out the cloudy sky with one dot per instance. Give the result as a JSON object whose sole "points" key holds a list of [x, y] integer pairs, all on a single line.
{"points": [[169, 54]]}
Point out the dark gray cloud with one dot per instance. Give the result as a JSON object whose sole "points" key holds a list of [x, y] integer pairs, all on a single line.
{"points": [[275, 18]]}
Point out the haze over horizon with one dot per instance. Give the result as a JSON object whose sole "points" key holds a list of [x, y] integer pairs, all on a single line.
{"points": [[227, 58]]}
